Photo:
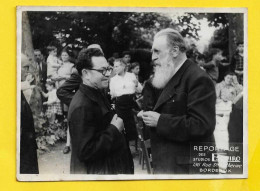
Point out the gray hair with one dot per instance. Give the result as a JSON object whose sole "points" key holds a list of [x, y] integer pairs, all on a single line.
{"points": [[174, 38]]}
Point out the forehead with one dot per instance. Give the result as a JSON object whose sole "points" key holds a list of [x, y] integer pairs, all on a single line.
{"points": [[118, 63], [37, 52], [229, 76], [219, 52], [160, 42], [99, 62], [64, 53]]}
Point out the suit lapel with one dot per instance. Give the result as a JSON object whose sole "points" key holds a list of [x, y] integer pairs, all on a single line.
{"points": [[95, 96], [169, 89]]}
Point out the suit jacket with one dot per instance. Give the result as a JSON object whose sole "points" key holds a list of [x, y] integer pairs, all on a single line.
{"points": [[28, 146], [97, 146], [235, 125], [187, 108], [43, 73]]}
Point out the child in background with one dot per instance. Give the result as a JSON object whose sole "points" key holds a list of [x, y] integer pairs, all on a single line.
{"points": [[53, 103], [53, 63]]}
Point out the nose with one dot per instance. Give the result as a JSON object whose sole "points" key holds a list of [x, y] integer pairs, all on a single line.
{"points": [[154, 56], [108, 73]]}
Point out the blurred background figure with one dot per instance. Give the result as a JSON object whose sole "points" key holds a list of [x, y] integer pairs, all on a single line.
{"points": [[237, 62], [41, 68], [28, 146], [123, 87], [53, 63], [64, 73], [126, 58], [211, 67]]}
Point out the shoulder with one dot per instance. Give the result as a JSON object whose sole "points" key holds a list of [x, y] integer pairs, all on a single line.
{"points": [[195, 75], [114, 78], [79, 100], [220, 85], [130, 75], [53, 92], [193, 71]]}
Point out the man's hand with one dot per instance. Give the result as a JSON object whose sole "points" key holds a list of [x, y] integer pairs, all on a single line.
{"points": [[118, 123], [151, 118], [140, 114]]}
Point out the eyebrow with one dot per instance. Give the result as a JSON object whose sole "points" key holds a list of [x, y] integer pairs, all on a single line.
{"points": [[154, 50], [104, 67]]}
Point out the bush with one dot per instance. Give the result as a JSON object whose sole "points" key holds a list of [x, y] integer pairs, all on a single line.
{"points": [[48, 134]]}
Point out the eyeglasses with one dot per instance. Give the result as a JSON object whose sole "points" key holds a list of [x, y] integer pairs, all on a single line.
{"points": [[104, 72]]}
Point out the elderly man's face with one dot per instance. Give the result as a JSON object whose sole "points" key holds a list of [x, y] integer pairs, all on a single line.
{"points": [[163, 62], [96, 78], [37, 56], [160, 51]]}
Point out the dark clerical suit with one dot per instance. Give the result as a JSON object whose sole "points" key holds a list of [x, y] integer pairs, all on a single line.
{"points": [[187, 108], [97, 146]]}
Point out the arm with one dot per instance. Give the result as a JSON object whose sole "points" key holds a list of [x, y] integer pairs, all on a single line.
{"points": [[208, 65], [44, 94], [139, 88], [199, 120], [218, 92], [67, 90], [52, 62], [92, 144]]}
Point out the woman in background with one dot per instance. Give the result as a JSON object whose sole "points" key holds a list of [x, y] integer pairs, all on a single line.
{"points": [[64, 73]]}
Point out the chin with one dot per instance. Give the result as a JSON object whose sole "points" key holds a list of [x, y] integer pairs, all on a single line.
{"points": [[162, 76], [104, 84]]}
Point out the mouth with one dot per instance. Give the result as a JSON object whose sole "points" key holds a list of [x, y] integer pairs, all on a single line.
{"points": [[156, 64]]}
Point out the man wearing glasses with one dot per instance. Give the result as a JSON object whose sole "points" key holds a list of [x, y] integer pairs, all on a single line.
{"points": [[98, 144]]}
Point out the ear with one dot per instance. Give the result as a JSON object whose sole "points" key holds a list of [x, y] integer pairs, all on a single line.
{"points": [[86, 74], [175, 51]]}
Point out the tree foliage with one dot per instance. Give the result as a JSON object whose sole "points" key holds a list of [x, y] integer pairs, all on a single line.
{"points": [[114, 31]]}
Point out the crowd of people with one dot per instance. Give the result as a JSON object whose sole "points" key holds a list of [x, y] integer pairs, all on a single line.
{"points": [[104, 99]]}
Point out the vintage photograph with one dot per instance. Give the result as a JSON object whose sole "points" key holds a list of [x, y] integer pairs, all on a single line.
{"points": [[109, 93]]}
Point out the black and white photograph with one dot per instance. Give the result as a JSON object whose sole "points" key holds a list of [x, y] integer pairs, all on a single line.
{"points": [[123, 93]]}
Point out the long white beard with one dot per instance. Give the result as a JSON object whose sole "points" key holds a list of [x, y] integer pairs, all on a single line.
{"points": [[162, 75]]}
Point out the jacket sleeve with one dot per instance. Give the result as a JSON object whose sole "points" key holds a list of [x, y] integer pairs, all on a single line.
{"points": [[199, 120], [67, 90], [208, 65], [91, 143]]}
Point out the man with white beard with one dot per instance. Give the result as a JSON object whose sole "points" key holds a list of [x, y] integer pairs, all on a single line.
{"points": [[184, 110]]}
